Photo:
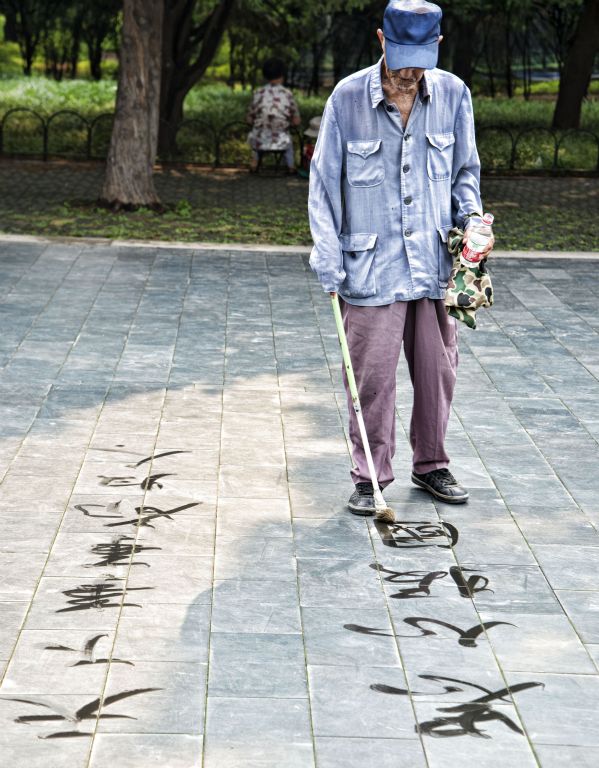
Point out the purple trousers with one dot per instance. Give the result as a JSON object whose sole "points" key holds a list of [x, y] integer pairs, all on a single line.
{"points": [[375, 336]]}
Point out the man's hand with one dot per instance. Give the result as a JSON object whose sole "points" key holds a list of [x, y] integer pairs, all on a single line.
{"points": [[488, 247]]}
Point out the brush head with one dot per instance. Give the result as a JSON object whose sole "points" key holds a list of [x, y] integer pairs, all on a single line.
{"points": [[385, 515], [382, 512]]}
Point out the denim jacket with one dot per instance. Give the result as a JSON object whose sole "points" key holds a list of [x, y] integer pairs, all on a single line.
{"points": [[383, 198]]}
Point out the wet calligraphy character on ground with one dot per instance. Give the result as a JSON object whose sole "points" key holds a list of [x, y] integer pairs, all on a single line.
{"points": [[147, 514], [423, 581], [55, 713], [112, 509], [466, 637], [148, 483], [98, 596], [88, 652], [416, 535], [144, 514], [463, 719], [116, 552], [123, 481], [467, 587], [153, 457], [377, 632]]}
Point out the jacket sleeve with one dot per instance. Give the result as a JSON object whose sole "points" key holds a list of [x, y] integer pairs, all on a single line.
{"points": [[465, 187], [325, 202]]}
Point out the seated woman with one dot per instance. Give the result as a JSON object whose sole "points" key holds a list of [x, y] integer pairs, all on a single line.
{"points": [[272, 111]]}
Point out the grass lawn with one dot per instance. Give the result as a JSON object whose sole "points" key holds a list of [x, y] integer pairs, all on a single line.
{"points": [[184, 223], [531, 214]]}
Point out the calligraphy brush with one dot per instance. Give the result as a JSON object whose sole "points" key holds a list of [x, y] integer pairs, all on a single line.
{"points": [[382, 512]]}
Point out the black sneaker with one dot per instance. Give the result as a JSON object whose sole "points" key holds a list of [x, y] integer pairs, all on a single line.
{"points": [[361, 502], [442, 484]]}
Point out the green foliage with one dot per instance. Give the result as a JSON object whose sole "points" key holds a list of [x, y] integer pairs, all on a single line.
{"points": [[525, 114], [62, 38], [217, 104], [47, 96], [10, 57], [183, 209], [516, 228], [208, 109]]}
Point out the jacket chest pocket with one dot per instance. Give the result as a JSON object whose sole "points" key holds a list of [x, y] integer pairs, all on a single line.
{"points": [[439, 155], [365, 166]]}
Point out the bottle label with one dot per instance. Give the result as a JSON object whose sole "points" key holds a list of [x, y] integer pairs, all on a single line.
{"points": [[472, 251]]}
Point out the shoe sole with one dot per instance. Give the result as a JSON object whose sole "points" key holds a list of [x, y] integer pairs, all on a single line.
{"points": [[361, 511], [441, 496]]}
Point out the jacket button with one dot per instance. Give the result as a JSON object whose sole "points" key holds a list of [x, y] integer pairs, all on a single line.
{"points": [[407, 200], [389, 107], [407, 136], [408, 232], [406, 168]]}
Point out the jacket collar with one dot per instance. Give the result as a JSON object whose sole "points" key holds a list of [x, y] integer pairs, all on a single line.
{"points": [[376, 88]]}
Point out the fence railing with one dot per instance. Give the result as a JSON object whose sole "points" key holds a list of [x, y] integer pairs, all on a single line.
{"points": [[537, 148], [69, 134]]}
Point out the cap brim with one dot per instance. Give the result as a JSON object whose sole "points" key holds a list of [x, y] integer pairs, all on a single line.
{"points": [[404, 56]]}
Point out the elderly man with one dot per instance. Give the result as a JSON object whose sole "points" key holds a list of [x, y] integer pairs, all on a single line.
{"points": [[395, 168]]}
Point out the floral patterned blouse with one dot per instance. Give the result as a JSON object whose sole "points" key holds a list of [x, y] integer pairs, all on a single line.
{"points": [[271, 112]]}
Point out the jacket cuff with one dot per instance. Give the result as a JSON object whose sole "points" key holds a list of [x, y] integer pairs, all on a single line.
{"points": [[331, 282]]}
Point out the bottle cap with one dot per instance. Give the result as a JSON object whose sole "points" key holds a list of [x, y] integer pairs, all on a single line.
{"points": [[488, 218]]}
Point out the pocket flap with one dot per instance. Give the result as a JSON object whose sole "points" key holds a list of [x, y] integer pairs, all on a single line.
{"points": [[363, 148], [444, 232], [441, 140], [358, 242]]}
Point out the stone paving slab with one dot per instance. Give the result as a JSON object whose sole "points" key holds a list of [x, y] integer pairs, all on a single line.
{"points": [[180, 581]]}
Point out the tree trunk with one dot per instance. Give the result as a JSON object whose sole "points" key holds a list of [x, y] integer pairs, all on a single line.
{"points": [[232, 46], [465, 31], [11, 34], [578, 68], [183, 65], [509, 80], [314, 85], [94, 56], [27, 54], [489, 62], [129, 181], [527, 65], [75, 48]]}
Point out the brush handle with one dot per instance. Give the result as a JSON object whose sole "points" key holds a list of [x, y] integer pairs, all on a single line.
{"points": [[378, 496], [353, 389]]}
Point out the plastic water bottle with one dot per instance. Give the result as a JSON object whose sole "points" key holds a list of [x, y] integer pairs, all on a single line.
{"points": [[479, 233]]}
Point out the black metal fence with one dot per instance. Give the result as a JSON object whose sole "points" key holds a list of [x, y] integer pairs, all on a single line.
{"points": [[69, 134], [537, 148]]}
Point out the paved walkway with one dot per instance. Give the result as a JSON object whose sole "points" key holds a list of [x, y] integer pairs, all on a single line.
{"points": [[180, 583]]}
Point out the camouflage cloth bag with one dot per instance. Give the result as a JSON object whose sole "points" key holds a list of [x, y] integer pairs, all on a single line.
{"points": [[469, 287]]}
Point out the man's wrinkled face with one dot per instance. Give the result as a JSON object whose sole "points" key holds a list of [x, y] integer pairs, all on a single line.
{"points": [[404, 80]]}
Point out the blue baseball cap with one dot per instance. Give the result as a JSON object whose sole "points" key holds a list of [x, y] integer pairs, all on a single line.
{"points": [[411, 29]]}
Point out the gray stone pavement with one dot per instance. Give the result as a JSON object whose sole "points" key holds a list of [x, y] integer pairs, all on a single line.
{"points": [[180, 582]]}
